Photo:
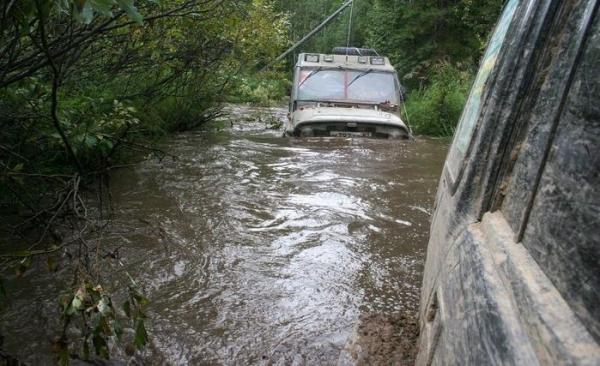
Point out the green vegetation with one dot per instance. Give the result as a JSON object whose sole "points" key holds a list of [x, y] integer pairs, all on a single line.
{"points": [[265, 89], [434, 109], [85, 85], [434, 45]]}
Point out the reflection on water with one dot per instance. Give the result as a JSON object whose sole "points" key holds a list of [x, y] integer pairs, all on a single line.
{"points": [[251, 245]]}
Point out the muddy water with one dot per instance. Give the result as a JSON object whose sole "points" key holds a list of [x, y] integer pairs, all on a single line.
{"points": [[253, 247]]}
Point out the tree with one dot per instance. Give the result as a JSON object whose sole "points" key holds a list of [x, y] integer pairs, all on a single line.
{"points": [[84, 84]]}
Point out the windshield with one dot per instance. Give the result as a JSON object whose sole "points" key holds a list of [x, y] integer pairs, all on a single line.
{"points": [[365, 86]]}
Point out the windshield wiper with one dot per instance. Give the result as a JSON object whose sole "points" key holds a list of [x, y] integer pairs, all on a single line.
{"points": [[311, 74], [360, 76]]}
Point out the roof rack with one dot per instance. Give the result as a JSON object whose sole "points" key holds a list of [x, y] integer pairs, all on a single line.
{"points": [[354, 51]]}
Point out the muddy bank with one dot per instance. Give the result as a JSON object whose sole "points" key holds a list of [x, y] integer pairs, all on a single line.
{"points": [[380, 340]]}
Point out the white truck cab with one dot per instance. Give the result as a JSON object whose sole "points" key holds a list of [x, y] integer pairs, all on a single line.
{"points": [[349, 93]]}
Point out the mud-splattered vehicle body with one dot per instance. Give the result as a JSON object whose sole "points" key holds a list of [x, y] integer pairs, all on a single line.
{"points": [[512, 275], [354, 94]]}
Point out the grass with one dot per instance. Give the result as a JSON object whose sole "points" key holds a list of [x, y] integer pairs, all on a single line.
{"points": [[435, 109]]}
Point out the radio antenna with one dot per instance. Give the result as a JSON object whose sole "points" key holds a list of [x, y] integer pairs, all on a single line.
{"points": [[311, 33], [349, 29]]}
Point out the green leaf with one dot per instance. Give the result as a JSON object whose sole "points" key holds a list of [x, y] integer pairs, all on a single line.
{"points": [[127, 308], [100, 345], [79, 4], [141, 337], [90, 141], [63, 356], [109, 145], [104, 306], [64, 301], [63, 5], [103, 7], [131, 10], [52, 265], [86, 349], [86, 14], [118, 329], [77, 304], [19, 180], [141, 300], [102, 327]]}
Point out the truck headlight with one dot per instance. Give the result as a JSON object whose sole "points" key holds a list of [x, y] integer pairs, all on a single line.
{"points": [[311, 58], [377, 60]]}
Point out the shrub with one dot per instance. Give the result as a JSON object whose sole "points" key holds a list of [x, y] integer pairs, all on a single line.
{"points": [[435, 109], [263, 89]]}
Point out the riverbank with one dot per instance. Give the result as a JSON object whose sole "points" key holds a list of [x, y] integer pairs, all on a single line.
{"points": [[380, 340]]}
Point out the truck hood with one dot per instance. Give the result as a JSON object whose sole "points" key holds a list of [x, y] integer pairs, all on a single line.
{"points": [[336, 114]]}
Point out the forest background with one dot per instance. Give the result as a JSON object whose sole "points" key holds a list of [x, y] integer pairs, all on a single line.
{"points": [[85, 85], [435, 46]]}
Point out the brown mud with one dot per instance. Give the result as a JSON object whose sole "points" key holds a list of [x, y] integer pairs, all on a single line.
{"points": [[380, 340]]}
